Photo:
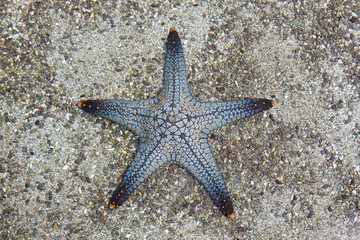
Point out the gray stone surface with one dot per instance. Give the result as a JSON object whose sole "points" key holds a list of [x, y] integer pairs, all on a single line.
{"points": [[293, 172]]}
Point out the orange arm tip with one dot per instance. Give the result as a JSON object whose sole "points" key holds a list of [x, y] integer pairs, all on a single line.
{"points": [[172, 29], [272, 103], [80, 104], [112, 206], [231, 215]]}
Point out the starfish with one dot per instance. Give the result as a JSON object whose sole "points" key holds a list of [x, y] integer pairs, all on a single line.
{"points": [[174, 128]]}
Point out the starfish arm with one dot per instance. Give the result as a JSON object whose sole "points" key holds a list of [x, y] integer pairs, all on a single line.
{"points": [[176, 86], [131, 114], [199, 161], [148, 159], [217, 114]]}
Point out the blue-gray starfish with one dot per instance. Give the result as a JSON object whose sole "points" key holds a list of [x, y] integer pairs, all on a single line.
{"points": [[175, 128]]}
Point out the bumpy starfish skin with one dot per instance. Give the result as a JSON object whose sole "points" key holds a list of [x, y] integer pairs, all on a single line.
{"points": [[174, 128]]}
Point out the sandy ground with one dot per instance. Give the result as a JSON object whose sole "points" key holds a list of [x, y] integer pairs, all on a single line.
{"points": [[293, 171]]}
